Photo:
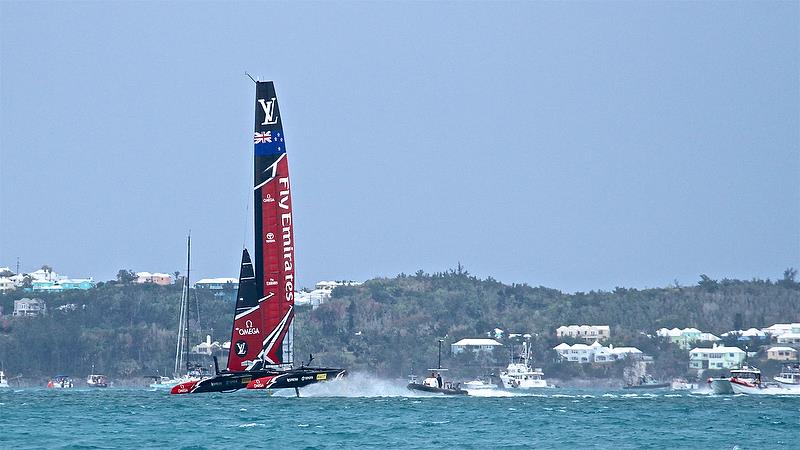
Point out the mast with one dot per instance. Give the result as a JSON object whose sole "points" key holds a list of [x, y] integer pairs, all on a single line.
{"points": [[439, 366], [186, 282]]}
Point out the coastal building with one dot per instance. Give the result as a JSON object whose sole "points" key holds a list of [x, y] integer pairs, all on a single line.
{"points": [[588, 333], [789, 339], [44, 275], [684, 338], [7, 284], [207, 347], [717, 357], [749, 334], [62, 284], [474, 345], [224, 288], [321, 293], [782, 354], [782, 328], [161, 279], [596, 353], [29, 307]]}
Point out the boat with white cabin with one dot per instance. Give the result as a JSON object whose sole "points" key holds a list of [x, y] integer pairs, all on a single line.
{"points": [[723, 385], [790, 375], [60, 382], [3, 379], [96, 380], [520, 375]]}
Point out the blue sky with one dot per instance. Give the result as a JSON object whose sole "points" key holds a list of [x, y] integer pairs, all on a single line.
{"points": [[573, 145]]}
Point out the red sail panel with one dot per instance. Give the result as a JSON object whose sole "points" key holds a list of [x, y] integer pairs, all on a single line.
{"points": [[278, 265]]}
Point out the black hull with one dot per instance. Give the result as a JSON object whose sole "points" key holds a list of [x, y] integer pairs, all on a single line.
{"points": [[435, 390], [283, 379]]}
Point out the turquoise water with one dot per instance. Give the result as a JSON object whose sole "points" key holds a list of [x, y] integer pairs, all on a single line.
{"points": [[335, 417]]}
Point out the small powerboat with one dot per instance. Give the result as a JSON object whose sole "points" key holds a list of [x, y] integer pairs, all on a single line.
{"points": [[648, 382], [60, 382], [96, 380], [790, 375], [434, 383], [745, 379]]}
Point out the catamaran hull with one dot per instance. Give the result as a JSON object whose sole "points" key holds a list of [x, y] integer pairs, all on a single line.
{"points": [[271, 379]]}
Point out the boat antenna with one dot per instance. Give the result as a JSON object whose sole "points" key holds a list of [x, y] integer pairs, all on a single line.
{"points": [[440, 353], [250, 76]]}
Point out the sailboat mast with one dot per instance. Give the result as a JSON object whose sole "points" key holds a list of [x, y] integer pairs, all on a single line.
{"points": [[440, 355], [188, 261]]}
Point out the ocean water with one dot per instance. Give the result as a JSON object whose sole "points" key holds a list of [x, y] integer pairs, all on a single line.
{"points": [[364, 413]]}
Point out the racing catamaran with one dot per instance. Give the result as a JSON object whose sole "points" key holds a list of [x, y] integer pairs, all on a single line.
{"points": [[261, 354]]}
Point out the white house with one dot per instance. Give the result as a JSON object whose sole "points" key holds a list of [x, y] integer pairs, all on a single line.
{"points": [[6, 284], [589, 333], [789, 338], [162, 279], [595, 353], [45, 275], [751, 333], [782, 328], [321, 293], [717, 357], [685, 337], [29, 307], [207, 347], [474, 345]]}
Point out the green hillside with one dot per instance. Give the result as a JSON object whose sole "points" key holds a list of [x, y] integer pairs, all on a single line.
{"points": [[386, 325]]}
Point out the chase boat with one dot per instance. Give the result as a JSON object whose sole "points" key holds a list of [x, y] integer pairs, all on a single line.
{"points": [[434, 384]]}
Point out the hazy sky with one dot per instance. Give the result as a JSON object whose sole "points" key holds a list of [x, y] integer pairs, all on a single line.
{"points": [[573, 145]]}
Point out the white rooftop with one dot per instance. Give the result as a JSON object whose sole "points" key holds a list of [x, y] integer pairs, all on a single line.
{"points": [[781, 349], [477, 341], [217, 280]]}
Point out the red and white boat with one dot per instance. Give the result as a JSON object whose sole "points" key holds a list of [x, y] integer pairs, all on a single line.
{"points": [[748, 381], [262, 351], [724, 385]]}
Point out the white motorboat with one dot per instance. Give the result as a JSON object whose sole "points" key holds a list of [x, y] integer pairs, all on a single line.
{"points": [[60, 382], [747, 380], [680, 384], [724, 385], [161, 382], [478, 384], [520, 375], [97, 381], [790, 375], [3, 380]]}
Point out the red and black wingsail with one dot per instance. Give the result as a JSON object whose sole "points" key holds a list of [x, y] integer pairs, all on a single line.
{"points": [[274, 232]]}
